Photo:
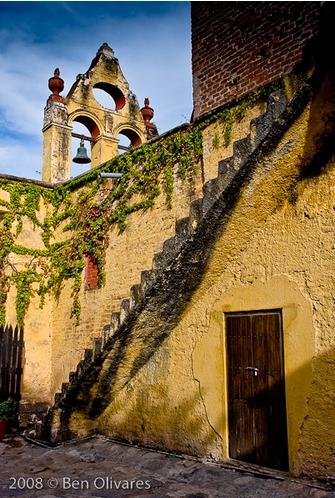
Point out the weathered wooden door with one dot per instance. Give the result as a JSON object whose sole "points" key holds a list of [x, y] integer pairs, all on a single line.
{"points": [[256, 389], [11, 347]]}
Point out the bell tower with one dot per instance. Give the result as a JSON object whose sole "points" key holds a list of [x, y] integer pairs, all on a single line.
{"points": [[104, 125]]}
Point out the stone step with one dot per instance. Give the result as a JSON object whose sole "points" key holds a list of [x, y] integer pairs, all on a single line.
{"points": [[81, 367], [58, 398], [88, 355], [105, 334], [226, 166], [97, 341], [158, 261], [211, 191], [277, 102], [124, 309], [147, 279], [260, 126], [183, 230], [115, 322], [195, 213], [169, 246], [242, 150], [72, 377], [135, 295]]}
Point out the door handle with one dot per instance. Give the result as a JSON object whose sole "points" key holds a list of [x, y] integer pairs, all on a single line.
{"points": [[252, 369]]}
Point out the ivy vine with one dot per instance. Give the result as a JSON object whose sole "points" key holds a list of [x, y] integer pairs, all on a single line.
{"points": [[85, 209]]}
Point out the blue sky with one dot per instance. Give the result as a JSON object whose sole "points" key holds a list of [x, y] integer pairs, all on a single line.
{"points": [[150, 39]]}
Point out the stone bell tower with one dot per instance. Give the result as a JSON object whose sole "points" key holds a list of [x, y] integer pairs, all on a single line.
{"points": [[104, 125]]}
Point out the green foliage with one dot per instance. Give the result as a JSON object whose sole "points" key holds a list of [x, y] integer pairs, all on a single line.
{"points": [[24, 281], [235, 113], [85, 209], [7, 409], [4, 288], [216, 140]]}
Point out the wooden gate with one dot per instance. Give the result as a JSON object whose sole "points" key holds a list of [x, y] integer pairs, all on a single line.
{"points": [[256, 389], [11, 347]]}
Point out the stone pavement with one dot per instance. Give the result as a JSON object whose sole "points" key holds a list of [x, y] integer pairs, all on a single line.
{"points": [[99, 467]]}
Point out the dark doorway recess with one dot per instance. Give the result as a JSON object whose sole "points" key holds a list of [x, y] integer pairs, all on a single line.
{"points": [[256, 388]]}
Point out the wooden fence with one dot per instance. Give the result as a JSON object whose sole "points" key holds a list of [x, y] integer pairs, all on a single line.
{"points": [[11, 349]]}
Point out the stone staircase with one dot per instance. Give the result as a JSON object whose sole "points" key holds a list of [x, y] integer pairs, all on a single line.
{"points": [[165, 261]]}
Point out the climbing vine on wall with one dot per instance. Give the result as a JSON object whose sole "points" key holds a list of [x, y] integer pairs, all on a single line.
{"points": [[80, 214], [83, 211]]}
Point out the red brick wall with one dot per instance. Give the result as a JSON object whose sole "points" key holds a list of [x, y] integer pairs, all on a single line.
{"points": [[91, 274], [239, 46]]}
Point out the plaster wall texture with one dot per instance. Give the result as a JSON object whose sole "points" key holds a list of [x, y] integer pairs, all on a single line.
{"points": [[276, 251], [216, 149], [54, 344], [128, 254]]}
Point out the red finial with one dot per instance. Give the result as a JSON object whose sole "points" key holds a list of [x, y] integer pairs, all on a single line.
{"points": [[148, 114], [56, 85]]}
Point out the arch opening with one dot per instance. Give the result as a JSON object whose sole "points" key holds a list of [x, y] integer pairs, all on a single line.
{"points": [[89, 124], [81, 129], [134, 140], [118, 99]]}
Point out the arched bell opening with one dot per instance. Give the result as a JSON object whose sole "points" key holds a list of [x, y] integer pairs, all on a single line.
{"points": [[89, 123], [82, 131], [85, 132], [128, 138], [109, 96]]}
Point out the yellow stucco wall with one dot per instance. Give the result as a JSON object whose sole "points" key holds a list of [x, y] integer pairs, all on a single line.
{"points": [[146, 231], [128, 254], [54, 343], [276, 251], [36, 380]]}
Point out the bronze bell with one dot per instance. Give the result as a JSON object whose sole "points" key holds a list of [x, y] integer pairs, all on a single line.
{"points": [[81, 157]]}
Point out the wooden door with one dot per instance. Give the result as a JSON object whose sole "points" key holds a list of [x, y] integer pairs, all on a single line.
{"points": [[11, 348], [256, 389]]}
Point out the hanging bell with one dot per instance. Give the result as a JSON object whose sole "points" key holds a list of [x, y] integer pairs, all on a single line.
{"points": [[81, 157]]}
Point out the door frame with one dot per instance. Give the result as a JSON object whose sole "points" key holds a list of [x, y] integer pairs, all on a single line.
{"points": [[209, 365], [278, 292]]}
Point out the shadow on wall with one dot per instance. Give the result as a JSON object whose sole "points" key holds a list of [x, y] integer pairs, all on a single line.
{"points": [[152, 418], [317, 443], [320, 136], [154, 319], [143, 413], [311, 445], [321, 125]]}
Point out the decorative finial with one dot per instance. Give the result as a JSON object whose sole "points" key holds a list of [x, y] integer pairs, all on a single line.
{"points": [[56, 85], [148, 114]]}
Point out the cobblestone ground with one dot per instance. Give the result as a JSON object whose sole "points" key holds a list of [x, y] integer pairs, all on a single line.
{"points": [[98, 467]]}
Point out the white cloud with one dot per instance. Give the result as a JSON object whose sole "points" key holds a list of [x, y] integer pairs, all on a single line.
{"points": [[21, 158]]}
